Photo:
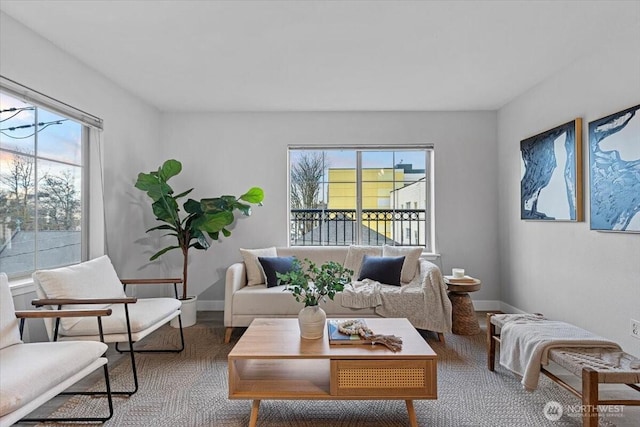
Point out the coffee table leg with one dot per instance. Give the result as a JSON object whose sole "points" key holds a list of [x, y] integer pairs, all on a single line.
{"points": [[413, 420], [253, 421]]}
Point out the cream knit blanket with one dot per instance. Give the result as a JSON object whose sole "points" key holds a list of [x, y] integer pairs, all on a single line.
{"points": [[525, 343], [423, 302]]}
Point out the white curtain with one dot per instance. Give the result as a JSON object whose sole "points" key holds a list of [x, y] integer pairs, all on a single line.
{"points": [[97, 229]]}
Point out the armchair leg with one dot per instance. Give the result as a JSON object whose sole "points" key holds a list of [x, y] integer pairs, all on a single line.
{"points": [[159, 350], [131, 350]]}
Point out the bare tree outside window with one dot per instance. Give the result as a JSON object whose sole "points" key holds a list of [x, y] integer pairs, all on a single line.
{"points": [[41, 168], [18, 184], [306, 180], [59, 202]]}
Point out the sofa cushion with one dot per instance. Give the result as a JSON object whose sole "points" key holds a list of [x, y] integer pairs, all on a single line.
{"points": [[9, 331], [91, 279], [273, 265], [356, 253], [48, 364], [260, 301], [385, 270], [255, 275], [411, 259]]}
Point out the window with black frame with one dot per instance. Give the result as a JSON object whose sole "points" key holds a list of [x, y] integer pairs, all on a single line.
{"points": [[366, 196]]}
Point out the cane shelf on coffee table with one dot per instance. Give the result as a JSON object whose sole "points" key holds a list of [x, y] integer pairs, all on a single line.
{"points": [[271, 361]]}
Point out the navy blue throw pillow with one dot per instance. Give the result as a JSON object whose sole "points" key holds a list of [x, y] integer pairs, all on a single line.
{"points": [[385, 270], [273, 265]]}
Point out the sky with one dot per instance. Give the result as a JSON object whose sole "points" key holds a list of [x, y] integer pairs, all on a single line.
{"points": [[57, 142]]}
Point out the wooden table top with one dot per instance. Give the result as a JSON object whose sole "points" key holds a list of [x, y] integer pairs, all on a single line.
{"points": [[279, 338], [463, 287]]}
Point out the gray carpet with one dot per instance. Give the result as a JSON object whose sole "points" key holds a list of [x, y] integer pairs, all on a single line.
{"points": [[190, 389]]}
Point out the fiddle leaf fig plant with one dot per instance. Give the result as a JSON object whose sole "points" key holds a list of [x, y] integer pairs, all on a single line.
{"points": [[200, 222]]}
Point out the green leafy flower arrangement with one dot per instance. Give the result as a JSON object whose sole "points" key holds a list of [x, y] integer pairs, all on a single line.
{"points": [[314, 283]]}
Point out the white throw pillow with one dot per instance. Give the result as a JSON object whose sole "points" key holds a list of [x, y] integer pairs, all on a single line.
{"points": [[255, 274], [411, 257], [355, 254], [9, 332], [91, 279]]}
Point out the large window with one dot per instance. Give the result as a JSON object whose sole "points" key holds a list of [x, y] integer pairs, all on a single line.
{"points": [[42, 174], [367, 196]]}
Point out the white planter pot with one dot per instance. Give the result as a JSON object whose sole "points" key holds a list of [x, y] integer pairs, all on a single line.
{"points": [[188, 313], [312, 322]]}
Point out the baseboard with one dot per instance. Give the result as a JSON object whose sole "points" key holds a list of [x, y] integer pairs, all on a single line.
{"points": [[495, 305], [487, 305], [510, 309]]}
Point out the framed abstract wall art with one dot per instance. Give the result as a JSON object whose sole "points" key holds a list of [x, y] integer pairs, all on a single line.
{"points": [[551, 174], [614, 172]]}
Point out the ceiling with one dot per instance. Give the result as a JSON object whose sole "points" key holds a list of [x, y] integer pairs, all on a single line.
{"points": [[329, 55]]}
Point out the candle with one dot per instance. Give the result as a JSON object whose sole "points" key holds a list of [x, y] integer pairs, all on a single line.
{"points": [[458, 273]]}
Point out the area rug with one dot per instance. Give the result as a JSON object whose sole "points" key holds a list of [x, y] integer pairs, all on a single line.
{"points": [[190, 389]]}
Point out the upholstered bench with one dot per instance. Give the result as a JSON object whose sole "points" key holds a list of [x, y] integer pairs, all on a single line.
{"points": [[592, 364]]}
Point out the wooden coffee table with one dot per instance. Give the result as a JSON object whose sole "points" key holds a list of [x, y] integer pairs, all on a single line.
{"points": [[271, 361]]}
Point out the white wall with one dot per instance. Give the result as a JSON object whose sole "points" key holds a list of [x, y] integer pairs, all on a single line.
{"points": [[564, 270], [228, 153], [131, 127]]}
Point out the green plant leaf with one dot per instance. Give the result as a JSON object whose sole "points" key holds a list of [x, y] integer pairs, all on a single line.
{"points": [[254, 195], [159, 191], [163, 251], [216, 221], [210, 205], [169, 169], [192, 206], [162, 227], [166, 210], [197, 245], [245, 209], [202, 242], [215, 204], [145, 181], [184, 193], [226, 232]]}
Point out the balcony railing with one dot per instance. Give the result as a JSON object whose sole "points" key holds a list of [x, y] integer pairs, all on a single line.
{"points": [[339, 227]]}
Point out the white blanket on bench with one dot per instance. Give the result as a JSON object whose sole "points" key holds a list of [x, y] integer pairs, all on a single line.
{"points": [[525, 343]]}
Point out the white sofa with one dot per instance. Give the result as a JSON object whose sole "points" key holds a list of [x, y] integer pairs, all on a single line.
{"points": [[244, 303]]}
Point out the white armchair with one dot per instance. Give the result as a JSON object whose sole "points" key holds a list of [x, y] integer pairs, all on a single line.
{"points": [[94, 284], [33, 373]]}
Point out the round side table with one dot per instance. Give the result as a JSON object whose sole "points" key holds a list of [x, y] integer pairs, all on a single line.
{"points": [[463, 315]]}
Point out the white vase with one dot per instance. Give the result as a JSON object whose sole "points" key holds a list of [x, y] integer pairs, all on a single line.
{"points": [[189, 312], [312, 320]]}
